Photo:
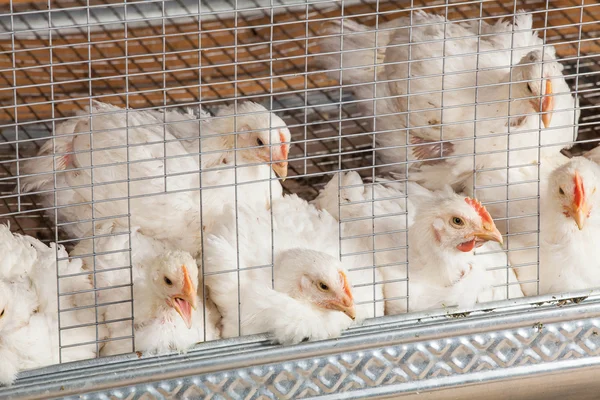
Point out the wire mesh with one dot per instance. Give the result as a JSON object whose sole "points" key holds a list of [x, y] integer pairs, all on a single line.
{"points": [[57, 57]]}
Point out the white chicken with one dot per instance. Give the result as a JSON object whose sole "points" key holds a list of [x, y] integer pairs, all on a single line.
{"points": [[457, 226], [19, 254], [569, 228], [307, 294], [459, 73], [494, 159], [189, 207], [29, 306], [131, 155], [261, 136], [168, 306], [373, 220], [442, 265], [27, 338]]}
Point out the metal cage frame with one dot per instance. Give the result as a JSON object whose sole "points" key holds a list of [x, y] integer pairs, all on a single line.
{"points": [[546, 346], [548, 350]]}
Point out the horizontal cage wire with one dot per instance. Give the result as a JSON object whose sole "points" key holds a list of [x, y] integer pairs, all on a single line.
{"points": [[366, 110]]}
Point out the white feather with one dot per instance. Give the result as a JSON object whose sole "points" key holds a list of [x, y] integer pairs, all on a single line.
{"points": [[438, 276], [141, 164], [158, 329], [29, 334], [455, 57], [567, 255], [300, 233]]}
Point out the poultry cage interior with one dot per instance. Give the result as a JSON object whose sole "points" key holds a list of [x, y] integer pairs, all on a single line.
{"points": [[57, 56]]}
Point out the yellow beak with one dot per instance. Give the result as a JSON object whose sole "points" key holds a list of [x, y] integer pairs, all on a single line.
{"points": [[347, 308], [281, 169], [184, 302], [580, 214], [547, 105], [492, 233]]}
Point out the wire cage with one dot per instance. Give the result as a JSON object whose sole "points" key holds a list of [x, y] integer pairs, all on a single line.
{"points": [[59, 58]]}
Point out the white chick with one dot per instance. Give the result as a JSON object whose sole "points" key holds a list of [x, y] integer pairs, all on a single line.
{"points": [[374, 222], [18, 254], [312, 298], [438, 255], [18, 302], [29, 336], [38, 264], [304, 244], [127, 155], [168, 312], [113, 276], [569, 228], [481, 89], [452, 65], [260, 136], [135, 155], [444, 267]]}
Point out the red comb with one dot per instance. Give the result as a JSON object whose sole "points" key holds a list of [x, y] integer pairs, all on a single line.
{"points": [[284, 147], [579, 190], [483, 213], [347, 288]]}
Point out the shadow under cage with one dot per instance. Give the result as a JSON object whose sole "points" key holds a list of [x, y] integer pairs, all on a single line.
{"points": [[189, 68]]}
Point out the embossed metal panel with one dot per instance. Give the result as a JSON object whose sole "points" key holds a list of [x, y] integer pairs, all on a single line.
{"points": [[384, 358]]}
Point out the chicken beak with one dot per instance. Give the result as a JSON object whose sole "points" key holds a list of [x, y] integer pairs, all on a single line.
{"points": [[489, 232], [346, 305], [281, 169], [580, 208], [350, 312], [547, 104], [579, 215], [345, 302], [186, 301]]}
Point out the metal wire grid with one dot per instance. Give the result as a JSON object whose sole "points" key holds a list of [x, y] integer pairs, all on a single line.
{"points": [[259, 51], [296, 82]]}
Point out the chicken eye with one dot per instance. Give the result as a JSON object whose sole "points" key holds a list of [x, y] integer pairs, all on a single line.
{"points": [[323, 286], [561, 191], [168, 281], [2, 314], [259, 142], [457, 221]]}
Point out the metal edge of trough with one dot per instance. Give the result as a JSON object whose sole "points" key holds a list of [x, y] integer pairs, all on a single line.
{"points": [[386, 356]]}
